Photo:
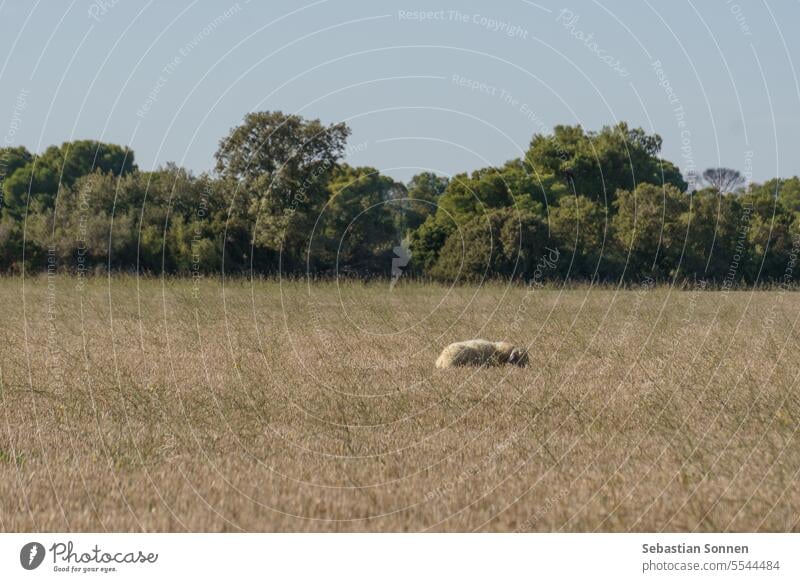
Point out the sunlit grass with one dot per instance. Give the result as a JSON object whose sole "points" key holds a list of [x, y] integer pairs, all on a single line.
{"points": [[152, 405]]}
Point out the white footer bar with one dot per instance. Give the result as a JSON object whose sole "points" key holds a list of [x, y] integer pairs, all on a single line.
{"points": [[388, 557]]}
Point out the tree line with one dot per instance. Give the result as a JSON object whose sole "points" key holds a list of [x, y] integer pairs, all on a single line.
{"points": [[589, 205]]}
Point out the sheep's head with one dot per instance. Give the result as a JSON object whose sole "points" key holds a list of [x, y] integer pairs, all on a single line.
{"points": [[518, 357]]}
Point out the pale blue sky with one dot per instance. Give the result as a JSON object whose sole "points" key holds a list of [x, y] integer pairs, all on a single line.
{"points": [[454, 92]]}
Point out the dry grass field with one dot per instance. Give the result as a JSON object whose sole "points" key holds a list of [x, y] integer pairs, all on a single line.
{"points": [[150, 405]]}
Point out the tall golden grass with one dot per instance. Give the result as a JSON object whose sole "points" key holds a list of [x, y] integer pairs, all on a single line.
{"points": [[171, 405]]}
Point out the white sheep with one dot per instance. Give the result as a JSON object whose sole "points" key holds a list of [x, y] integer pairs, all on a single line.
{"points": [[480, 352]]}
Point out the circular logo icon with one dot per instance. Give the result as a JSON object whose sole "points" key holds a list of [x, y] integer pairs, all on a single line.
{"points": [[31, 555]]}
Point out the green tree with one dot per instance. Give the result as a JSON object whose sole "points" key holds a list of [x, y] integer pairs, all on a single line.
{"points": [[531, 190], [786, 190], [357, 232], [468, 197], [11, 159], [149, 221], [503, 242], [597, 164], [648, 229], [11, 242], [281, 164], [580, 227], [61, 166], [424, 191], [723, 180], [427, 241], [770, 229], [711, 222]]}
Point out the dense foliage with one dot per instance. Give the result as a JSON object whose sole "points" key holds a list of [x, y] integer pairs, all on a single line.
{"points": [[578, 205]]}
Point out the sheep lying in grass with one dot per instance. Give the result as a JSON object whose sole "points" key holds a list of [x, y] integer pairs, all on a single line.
{"points": [[480, 352]]}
